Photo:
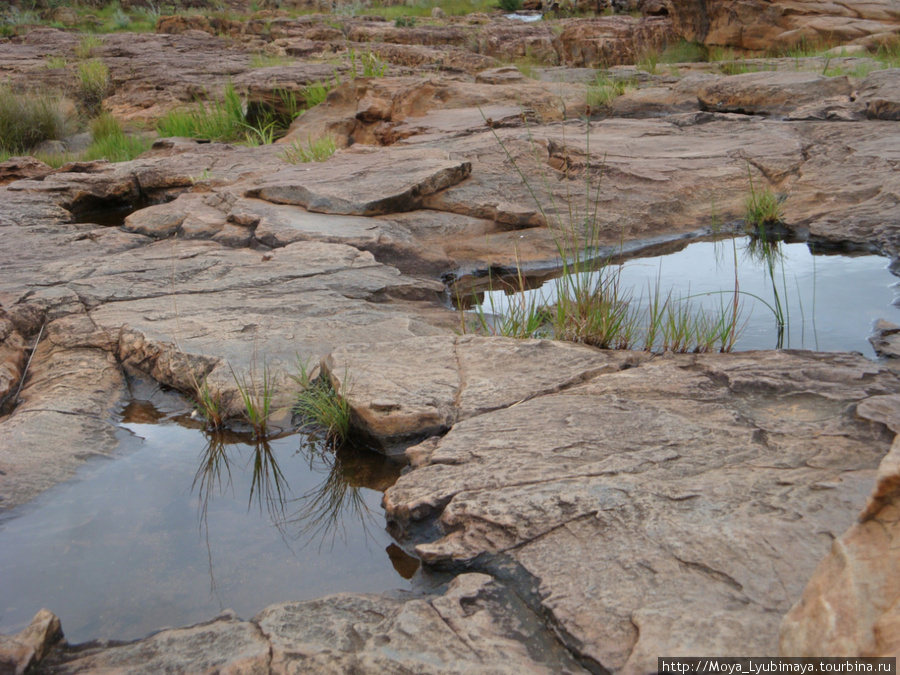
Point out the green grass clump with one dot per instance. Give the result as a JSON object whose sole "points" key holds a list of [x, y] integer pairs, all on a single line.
{"points": [[315, 93], [87, 46], [112, 143], [314, 151], [263, 60], [93, 84], [510, 5], [321, 406], [762, 208], [256, 395], [222, 119], [27, 119], [371, 63], [605, 90], [684, 52], [404, 22], [55, 62]]}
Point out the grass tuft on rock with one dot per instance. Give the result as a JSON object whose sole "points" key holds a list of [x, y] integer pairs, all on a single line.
{"points": [[321, 406], [93, 84], [27, 119], [314, 151], [112, 143]]}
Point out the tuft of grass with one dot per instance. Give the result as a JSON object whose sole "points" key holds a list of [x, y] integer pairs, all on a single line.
{"points": [[87, 45], [605, 90], [27, 119], [263, 60], [888, 53], [112, 143], [55, 62], [256, 396], [93, 84], [510, 5], [321, 406], [222, 119], [209, 404], [404, 22], [649, 60], [762, 208], [371, 63], [315, 150], [684, 52], [315, 93]]}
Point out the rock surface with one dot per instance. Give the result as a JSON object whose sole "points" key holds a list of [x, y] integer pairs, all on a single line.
{"points": [[20, 652], [671, 508]]}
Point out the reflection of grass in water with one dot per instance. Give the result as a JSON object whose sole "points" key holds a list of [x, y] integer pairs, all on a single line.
{"points": [[323, 510], [764, 249]]}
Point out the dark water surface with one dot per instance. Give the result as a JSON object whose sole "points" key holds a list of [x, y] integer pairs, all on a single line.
{"points": [[144, 541]]}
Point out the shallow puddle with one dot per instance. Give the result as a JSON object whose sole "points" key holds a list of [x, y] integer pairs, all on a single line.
{"points": [[829, 300], [175, 529]]}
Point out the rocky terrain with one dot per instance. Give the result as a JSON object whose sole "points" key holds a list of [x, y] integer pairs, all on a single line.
{"points": [[592, 509]]}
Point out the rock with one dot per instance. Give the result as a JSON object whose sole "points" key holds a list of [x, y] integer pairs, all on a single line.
{"points": [[670, 508], [438, 13], [770, 93], [885, 339], [441, 381], [851, 605], [758, 25], [609, 41], [65, 412], [19, 168], [12, 357], [180, 23], [504, 75], [64, 15], [406, 177], [225, 645], [22, 651], [881, 93]]}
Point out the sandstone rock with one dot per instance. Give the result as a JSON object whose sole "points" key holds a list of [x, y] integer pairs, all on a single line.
{"points": [[180, 23], [425, 385], [405, 177], [504, 75], [20, 652], [225, 645], [12, 357], [770, 93], [64, 415], [609, 41], [881, 93], [680, 491], [18, 168], [438, 13], [885, 339]]}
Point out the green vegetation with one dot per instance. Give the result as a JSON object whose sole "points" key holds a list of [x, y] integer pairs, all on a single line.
{"points": [[762, 208], [55, 62], [27, 119], [93, 84], [315, 93], [209, 405], [371, 63], [320, 406], [314, 151], [256, 395], [605, 90], [87, 46], [510, 5], [112, 143], [404, 22], [263, 60], [684, 52]]}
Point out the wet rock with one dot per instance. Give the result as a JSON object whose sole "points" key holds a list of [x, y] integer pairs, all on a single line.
{"points": [[770, 93], [671, 508], [405, 178], [65, 412], [425, 385], [885, 339], [20, 652], [225, 645]]}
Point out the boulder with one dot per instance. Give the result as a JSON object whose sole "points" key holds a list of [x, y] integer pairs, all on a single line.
{"points": [[19, 168], [881, 93], [771, 93], [21, 652]]}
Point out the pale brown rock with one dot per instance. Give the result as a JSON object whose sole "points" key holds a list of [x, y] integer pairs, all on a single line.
{"points": [[24, 650], [17, 168], [671, 508], [770, 93]]}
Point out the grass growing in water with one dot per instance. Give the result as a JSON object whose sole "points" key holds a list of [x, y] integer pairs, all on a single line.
{"points": [[256, 395], [320, 405]]}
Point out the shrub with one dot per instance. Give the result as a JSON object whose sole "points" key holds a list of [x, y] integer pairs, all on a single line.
{"points": [[93, 84], [405, 21], [27, 119]]}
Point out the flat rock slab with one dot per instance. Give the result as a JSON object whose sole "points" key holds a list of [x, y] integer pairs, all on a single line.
{"points": [[365, 181], [770, 93], [425, 385], [476, 626], [677, 507]]}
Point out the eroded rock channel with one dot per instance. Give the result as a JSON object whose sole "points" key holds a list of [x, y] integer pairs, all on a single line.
{"points": [[574, 509]]}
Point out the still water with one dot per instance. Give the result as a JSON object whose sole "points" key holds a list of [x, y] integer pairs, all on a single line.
{"points": [[179, 526], [829, 302]]}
